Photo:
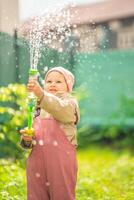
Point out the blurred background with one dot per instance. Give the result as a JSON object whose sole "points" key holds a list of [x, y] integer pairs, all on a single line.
{"points": [[95, 40]]}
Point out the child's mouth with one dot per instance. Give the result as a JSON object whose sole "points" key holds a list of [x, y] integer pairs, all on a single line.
{"points": [[52, 90]]}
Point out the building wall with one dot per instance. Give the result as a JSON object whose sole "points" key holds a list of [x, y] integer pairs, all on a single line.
{"points": [[114, 34], [9, 15], [111, 35]]}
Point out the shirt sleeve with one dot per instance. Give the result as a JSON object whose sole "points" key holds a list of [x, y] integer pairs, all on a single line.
{"points": [[62, 109]]}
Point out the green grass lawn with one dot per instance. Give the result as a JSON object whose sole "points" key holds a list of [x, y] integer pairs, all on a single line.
{"points": [[12, 181], [103, 174]]}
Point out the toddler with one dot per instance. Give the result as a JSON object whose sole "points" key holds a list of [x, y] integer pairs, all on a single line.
{"points": [[52, 164]]}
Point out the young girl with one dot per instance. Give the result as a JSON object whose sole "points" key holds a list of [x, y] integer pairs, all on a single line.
{"points": [[52, 164]]}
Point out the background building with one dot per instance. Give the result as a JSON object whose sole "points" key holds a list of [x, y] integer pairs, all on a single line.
{"points": [[9, 16], [105, 25]]}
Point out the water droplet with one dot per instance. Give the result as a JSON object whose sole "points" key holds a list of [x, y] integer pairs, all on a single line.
{"points": [[45, 69], [93, 66], [42, 81], [47, 183], [109, 77], [60, 50], [41, 142], [20, 108], [37, 174], [75, 26], [55, 143]]}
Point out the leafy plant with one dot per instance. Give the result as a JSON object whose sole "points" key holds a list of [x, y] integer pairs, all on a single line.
{"points": [[13, 115]]}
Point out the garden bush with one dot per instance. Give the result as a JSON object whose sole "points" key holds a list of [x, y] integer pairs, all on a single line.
{"points": [[13, 115]]}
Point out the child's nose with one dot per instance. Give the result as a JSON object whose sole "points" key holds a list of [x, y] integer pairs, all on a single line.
{"points": [[53, 83]]}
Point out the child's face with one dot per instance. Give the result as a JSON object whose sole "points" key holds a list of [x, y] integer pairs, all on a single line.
{"points": [[55, 82]]}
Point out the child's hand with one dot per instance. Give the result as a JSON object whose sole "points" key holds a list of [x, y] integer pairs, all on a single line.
{"points": [[27, 134], [33, 86]]}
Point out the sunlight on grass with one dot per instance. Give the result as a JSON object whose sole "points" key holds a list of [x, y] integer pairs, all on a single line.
{"points": [[105, 175], [12, 181]]}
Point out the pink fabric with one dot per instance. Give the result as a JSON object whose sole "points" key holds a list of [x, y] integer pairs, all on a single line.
{"points": [[69, 77], [52, 164]]}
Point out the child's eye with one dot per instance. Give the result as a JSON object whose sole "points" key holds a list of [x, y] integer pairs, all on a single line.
{"points": [[49, 81], [58, 81]]}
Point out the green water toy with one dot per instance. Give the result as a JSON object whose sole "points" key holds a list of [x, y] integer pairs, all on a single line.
{"points": [[31, 104]]}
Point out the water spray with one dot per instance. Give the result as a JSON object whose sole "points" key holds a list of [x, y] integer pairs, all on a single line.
{"points": [[35, 44]]}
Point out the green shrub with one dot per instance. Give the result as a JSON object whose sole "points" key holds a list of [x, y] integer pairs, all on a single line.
{"points": [[13, 115]]}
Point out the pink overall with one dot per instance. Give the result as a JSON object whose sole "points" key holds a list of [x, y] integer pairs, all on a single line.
{"points": [[52, 164]]}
